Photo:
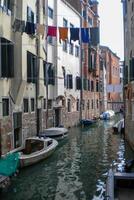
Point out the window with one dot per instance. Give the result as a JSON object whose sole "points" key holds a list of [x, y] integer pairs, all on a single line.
{"points": [[31, 68], [71, 46], [17, 117], [44, 104], [97, 86], [84, 83], [49, 104], [30, 15], [77, 105], [50, 12], [71, 49], [50, 40], [69, 105], [25, 104], [65, 23], [83, 55], [76, 51], [5, 106], [64, 75], [97, 103], [50, 74], [92, 104], [84, 14], [88, 104], [90, 21], [69, 81], [83, 104], [78, 83], [64, 46], [32, 105], [88, 85], [92, 86], [6, 58]]}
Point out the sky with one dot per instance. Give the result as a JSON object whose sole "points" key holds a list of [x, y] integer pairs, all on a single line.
{"points": [[111, 25]]}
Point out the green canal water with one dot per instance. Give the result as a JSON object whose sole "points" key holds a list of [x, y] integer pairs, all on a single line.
{"points": [[77, 169]]}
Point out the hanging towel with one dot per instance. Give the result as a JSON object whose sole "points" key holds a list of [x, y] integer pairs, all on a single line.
{"points": [[85, 35], [30, 28], [19, 26], [41, 29], [52, 31], [63, 33], [74, 34]]}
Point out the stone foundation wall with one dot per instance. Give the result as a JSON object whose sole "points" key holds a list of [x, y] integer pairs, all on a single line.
{"points": [[5, 131]]}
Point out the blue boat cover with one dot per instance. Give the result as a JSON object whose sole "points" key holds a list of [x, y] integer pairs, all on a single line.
{"points": [[9, 164]]}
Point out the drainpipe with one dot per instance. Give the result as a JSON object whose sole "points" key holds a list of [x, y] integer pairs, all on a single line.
{"points": [[81, 73], [38, 5], [45, 48]]}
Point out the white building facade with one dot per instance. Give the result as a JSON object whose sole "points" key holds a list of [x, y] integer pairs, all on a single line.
{"points": [[65, 58]]}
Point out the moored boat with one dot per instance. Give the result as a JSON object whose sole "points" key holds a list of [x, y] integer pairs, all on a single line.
{"points": [[88, 122], [55, 132], [36, 149], [119, 185], [107, 115]]}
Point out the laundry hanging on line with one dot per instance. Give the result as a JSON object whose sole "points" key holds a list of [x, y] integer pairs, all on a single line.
{"points": [[84, 35]]}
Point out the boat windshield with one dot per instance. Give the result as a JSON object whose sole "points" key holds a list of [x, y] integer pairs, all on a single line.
{"points": [[49, 143]]}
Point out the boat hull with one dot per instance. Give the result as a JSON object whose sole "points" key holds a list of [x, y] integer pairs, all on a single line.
{"points": [[119, 185], [27, 160], [56, 133]]}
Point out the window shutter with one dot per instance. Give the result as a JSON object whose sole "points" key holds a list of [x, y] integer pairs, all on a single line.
{"points": [[28, 67], [95, 36], [78, 83], [88, 85], [132, 69], [44, 70], [11, 61]]}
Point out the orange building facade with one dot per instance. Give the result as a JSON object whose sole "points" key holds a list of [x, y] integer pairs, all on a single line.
{"points": [[113, 88]]}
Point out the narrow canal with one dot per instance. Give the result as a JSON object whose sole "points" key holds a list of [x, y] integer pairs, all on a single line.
{"points": [[77, 169]]}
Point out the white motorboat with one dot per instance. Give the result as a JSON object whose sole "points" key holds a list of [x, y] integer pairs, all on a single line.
{"points": [[55, 132], [36, 149], [107, 114]]}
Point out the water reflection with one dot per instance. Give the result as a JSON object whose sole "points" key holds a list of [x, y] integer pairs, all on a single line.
{"points": [[76, 171]]}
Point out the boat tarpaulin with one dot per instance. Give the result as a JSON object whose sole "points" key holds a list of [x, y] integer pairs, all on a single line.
{"points": [[9, 164]]}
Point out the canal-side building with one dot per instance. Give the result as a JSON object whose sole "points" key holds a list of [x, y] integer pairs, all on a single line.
{"points": [[121, 77], [128, 11], [21, 72], [90, 61], [113, 86], [103, 84], [64, 58]]}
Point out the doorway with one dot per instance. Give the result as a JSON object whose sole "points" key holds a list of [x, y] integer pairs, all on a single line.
{"points": [[57, 121], [17, 119]]}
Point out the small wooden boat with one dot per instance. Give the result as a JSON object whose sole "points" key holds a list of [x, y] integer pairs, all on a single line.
{"points": [[119, 126], [55, 132], [88, 122], [36, 149], [107, 115], [119, 186]]}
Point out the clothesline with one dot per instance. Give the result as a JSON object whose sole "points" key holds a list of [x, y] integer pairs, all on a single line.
{"points": [[80, 34]]}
